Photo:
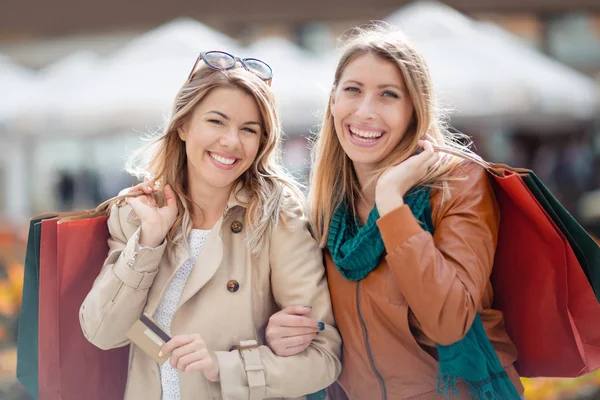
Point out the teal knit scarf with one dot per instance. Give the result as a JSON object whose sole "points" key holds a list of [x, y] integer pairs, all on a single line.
{"points": [[356, 252]]}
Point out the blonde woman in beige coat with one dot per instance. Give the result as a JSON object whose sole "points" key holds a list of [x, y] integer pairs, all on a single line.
{"points": [[216, 246]]}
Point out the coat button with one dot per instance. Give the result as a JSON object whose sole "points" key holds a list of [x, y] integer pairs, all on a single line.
{"points": [[236, 226], [233, 286]]}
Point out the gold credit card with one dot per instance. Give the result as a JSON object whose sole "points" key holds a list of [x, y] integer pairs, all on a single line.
{"points": [[149, 337]]}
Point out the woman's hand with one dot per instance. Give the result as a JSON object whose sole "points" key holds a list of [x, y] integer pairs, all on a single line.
{"points": [[189, 353], [156, 221], [395, 181], [290, 331]]}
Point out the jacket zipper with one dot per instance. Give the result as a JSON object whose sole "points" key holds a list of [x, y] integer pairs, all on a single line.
{"points": [[369, 353]]}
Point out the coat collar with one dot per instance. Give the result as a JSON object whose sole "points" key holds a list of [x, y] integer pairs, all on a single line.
{"points": [[239, 197]]}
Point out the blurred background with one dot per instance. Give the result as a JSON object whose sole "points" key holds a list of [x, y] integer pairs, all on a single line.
{"points": [[81, 82]]}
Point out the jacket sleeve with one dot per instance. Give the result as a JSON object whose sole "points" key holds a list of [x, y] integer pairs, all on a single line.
{"points": [[443, 277], [297, 278], [119, 294]]}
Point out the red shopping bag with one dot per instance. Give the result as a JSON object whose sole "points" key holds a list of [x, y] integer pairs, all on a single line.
{"points": [[72, 253], [48, 351], [550, 309]]}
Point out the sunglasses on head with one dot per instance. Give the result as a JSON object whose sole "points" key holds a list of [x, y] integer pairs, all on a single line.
{"points": [[221, 61]]}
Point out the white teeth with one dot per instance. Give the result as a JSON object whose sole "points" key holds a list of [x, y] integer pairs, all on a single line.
{"points": [[360, 139], [366, 134], [222, 160]]}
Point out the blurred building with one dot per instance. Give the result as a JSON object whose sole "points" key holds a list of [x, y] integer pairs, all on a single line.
{"points": [[567, 30], [51, 39]]}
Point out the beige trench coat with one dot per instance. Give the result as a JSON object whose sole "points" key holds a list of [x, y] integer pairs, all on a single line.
{"points": [[289, 271]]}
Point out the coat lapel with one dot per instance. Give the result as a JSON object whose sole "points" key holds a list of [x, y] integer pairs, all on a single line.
{"points": [[206, 265], [210, 256]]}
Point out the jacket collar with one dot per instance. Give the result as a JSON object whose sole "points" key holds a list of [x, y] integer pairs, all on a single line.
{"points": [[239, 197]]}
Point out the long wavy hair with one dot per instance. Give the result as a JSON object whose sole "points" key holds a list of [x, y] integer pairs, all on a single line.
{"points": [[333, 179], [164, 160]]}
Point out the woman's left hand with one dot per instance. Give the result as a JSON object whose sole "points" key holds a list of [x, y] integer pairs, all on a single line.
{"points": [[395, 181], [189, 353]]}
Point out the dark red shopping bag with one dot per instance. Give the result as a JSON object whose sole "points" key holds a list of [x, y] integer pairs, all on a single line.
{"points": [[550, 309], [48, 351], [73, 250]]}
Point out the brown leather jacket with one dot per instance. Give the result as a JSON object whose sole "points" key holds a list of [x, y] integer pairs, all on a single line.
{"points": [[426, 290]]}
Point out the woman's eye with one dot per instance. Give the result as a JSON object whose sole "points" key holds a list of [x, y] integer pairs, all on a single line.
{"points": [[250, 130], [388, 93], [352, 89], [215, 121]]}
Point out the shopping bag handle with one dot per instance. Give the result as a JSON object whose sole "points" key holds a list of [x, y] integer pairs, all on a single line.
{"points": [[101, 211], [118, 200], [497, 169]]}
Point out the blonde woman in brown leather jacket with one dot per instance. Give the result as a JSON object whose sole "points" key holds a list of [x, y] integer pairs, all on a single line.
{"points": [[408, 319]]}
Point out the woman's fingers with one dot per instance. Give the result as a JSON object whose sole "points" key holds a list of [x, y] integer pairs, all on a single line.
{"points": [[139, 201], [151, 201], [294, 345], [427, 158], [299, 340], [198, 366], [281, 332], [295, 321], [191, 357], [427, 152], [432, 139], [147, 188], [285, 326], [170, 197], [291, 327], [136, 203], [427, 146]]}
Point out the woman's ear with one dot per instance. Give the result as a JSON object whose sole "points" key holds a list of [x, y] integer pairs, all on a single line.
{"points": [[181, 133], [332, 101]]}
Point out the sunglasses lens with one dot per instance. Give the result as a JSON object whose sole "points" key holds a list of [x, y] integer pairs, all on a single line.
{"points": [[219, 60], [259, 68]]}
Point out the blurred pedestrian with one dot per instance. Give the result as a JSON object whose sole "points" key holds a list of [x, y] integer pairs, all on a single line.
{"points": [[65, 190]]}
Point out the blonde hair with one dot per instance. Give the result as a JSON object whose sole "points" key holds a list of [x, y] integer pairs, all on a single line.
{"points": [[333, 179], [165, 159]]}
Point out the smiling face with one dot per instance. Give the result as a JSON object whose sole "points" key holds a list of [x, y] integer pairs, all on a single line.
{"points": [[372, 110], [222, 137]]}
